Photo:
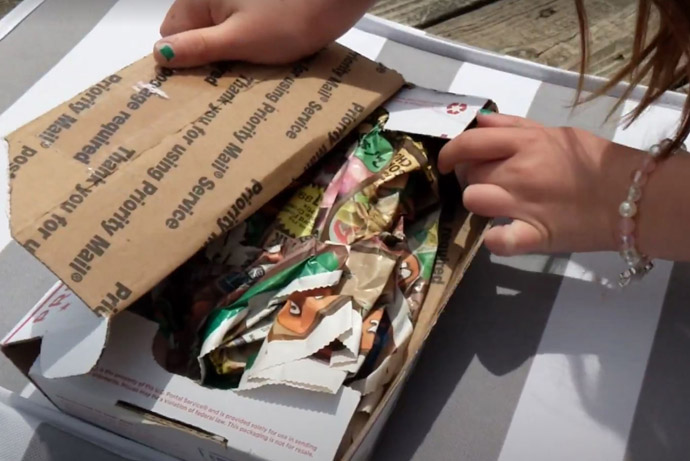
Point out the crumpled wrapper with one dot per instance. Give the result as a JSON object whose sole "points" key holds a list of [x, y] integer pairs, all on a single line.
{"points": [[315, 266], [373, 205], [321, 287]]}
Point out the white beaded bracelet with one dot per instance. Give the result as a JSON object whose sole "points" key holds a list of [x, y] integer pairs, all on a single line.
{"points": [[638, 263]]}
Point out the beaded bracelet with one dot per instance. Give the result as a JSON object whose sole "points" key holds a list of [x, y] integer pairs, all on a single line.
{"points": [[638, 263]]}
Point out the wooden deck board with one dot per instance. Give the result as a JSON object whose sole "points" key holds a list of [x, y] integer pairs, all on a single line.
{"points": [[423, 13], [546, 31], [7, 5]]}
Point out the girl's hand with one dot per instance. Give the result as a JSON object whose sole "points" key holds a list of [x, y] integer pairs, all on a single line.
{"points": [[197, 32], [561, 186]]}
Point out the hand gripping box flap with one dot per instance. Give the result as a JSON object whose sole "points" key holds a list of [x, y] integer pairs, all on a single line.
{"points": [[117, 187]]}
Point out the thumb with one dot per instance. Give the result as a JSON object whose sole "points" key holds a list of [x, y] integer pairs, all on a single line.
{"points": [[198, 47], [518, 237]]}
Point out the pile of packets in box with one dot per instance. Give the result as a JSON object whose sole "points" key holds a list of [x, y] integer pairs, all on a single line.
{"points": [[322, 286]]}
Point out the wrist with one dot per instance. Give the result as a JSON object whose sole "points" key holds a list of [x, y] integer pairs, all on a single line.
{"points": [[663, 222], [619, 164]]}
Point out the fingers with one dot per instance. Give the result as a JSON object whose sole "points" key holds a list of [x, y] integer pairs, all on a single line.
{"points": [[478, 173], [489, 200], [481, 144], [186, 15], [200, 46], [483, 173], [504, 121], [477, 156], [518, 237]]}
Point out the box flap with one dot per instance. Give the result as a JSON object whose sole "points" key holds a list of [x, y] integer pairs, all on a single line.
{"points": [[72, 336], [432, 113], [128, 375], [57, 311], [75, 350], [115, 188]]}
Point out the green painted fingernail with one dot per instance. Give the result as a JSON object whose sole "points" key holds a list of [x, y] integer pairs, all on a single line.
{"points": [[486, 111], [167, 52]]}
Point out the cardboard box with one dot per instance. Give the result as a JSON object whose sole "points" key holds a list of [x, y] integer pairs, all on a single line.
{"points": [[117, 187]]}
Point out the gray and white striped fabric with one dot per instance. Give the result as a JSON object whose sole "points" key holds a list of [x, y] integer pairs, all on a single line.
{"points": [[535, 358]]}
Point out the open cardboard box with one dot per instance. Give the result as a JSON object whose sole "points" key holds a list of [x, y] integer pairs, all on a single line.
{"points": [[117, 187]]}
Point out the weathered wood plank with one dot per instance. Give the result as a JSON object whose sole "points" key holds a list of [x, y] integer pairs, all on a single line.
{"points": [[610, 40], [546, 31], [422, 13], [7, 5]]}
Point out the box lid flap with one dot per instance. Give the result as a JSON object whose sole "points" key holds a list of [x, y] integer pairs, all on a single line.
{"points": [[73, 350], [72, 336], [115, 188], [432, 113]]}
